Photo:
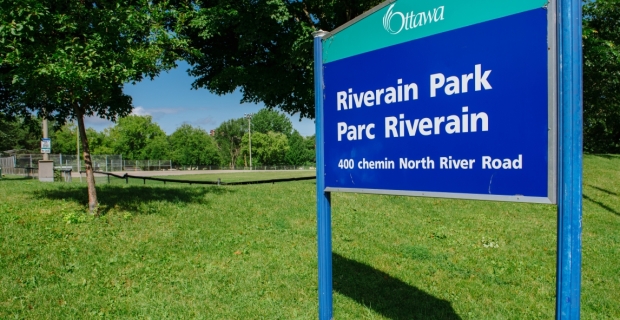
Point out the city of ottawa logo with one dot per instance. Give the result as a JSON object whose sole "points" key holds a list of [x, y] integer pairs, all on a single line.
{"points": [[394, 22]]}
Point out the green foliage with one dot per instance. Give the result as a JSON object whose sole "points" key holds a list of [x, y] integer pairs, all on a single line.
{"points": [[157, 148], [193, 146], [310, 143], [100, 142], [58, 176], [71, 59], [266, 120], [228, 137], [267, 148], [74, 217], [269, 128], [139, 138], [601, 76], [21, 133], [64, 140], [298, 152], [262, 47]]}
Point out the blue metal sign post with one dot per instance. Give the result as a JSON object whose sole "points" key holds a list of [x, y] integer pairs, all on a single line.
{"points": [[323, 200], [568, 290], [474, 99]]}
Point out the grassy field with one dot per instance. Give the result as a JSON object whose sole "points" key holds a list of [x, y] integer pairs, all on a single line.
{"points": [[249, 252]]}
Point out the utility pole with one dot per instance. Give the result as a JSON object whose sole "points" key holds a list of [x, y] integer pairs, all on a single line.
{"points": [[77, 131], [249, 117], [46, 156], [46, 167]]}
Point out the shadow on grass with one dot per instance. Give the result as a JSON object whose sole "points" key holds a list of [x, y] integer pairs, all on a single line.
{"points": [[611, 193], [608, 156], [602, 205], [391, 297], [16, 178], [133, 198]]}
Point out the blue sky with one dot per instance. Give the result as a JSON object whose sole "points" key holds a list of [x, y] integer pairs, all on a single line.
{"points": [[171, 102]]}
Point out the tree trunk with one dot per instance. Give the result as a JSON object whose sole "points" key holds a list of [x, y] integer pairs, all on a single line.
{"points": [[90, 177]]}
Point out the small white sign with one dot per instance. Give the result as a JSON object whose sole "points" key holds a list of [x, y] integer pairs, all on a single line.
{"points": [[46, 145]]}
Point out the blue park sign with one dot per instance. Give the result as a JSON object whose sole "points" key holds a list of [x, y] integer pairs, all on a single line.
{"points": [[424, 99]]}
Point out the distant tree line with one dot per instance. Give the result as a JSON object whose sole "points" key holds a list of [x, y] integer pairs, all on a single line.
{"points": [[274, 141]]}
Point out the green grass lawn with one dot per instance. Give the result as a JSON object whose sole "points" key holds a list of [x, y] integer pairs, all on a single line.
{"points": [[249, 252]]}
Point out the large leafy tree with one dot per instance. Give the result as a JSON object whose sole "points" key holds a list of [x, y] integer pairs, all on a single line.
{"points": [[20, 133], [64, 140], [263, 48], [601, 75], [99, 142], [298, 152], [266, 120], [267, 148], [310, 143], [9, 134], [69, 59], [228, 137], [193, 146], [138, 138]]}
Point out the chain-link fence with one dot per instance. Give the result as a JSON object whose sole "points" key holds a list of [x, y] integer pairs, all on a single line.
{"points": [[7, 165], [28, 164], [108, 163], [100, 162], [146, 165]]}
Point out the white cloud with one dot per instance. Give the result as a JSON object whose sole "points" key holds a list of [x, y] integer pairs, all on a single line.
{"points": [[208, 121], [140, 111], [156, 113], [97, 123], [94, 120]]}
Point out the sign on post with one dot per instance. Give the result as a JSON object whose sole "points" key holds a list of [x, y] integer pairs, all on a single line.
{"points": [[474, 99], [46, 145]]}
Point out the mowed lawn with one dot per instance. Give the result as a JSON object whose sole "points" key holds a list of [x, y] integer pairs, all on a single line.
{"points": [[249, 252]]}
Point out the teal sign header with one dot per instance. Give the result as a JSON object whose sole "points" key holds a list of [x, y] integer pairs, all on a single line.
{"points": [[406, 20]]}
